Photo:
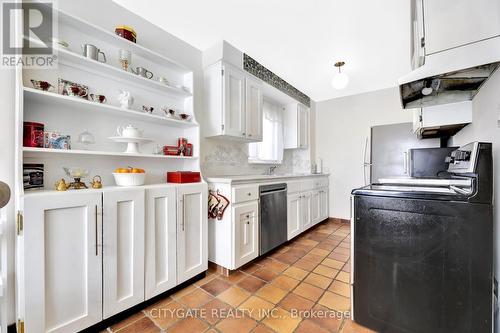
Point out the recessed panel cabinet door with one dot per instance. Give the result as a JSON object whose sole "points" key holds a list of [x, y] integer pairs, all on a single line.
{"points": [[62, 262], [246, 240], [253, 109], [472, 21], [234, 101], [160, 241], [315, 207], [323, 204], [303, 126], [123, 239], [192, 231], [306, 211], [294, 215]]}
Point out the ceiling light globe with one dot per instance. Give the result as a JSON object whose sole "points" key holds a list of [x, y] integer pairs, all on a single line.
{"points": [[340, 81]]}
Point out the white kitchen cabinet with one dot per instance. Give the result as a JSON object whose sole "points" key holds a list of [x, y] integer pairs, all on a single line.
{"points": [[123, 249], [192, 243], [233, 95], [294, 217], [315, 207], [246, 240], [306, 211], [62, 260], [307, 203], [323, 204], [296, 126], [453, 23], [446, 117], [161, 256], [233, 99], [253, 110], [299, 216]]}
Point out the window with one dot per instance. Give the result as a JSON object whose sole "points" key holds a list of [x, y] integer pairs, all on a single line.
{"points": [[270, 150]]}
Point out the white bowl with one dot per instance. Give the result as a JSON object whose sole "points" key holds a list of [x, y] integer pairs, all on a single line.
{"points": [[129, 179]]}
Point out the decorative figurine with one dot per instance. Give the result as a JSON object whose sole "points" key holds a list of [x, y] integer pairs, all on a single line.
{"points": [[125, 98], [96, 182], [61, 185]]}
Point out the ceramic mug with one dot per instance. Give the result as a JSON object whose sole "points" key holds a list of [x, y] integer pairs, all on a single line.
{"points": [[141, 71], [77, 91], [92, 52], [98, 98]]}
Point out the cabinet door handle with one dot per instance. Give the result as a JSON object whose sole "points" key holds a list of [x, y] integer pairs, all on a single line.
{"points": [[243, 133], [249, 193], [248, 216], [248, 222], [96, 233], [183, 214], [249, 134]]}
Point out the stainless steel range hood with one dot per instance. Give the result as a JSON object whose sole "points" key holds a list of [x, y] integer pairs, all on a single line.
{"points": [[450, 76]]}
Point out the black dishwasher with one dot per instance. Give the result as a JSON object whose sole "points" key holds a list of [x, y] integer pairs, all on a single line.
{"points": [[273, 217]]}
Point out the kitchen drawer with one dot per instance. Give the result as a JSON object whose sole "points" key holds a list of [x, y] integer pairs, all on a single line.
{"points": [[321, 182], [293, 187], [307, 185], [245, 193]]}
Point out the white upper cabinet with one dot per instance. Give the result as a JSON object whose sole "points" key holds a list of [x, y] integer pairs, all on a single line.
{"points": [[62, 259], [233, 99], [233, 92], [192, 231], [123, 239], [160, 240], [429, 121], [296, 126], [453, 23], [253, 98]]}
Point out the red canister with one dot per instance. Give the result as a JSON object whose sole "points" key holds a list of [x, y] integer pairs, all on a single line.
{"points": [[33, 134]]}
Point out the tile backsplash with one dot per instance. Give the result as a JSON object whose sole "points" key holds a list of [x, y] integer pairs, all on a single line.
{"points": [[231, 158]]}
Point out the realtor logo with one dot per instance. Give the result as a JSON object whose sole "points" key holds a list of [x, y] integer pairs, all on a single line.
{"points": [[27, 33]]}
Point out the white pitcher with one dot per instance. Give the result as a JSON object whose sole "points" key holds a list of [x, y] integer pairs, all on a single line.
{"points": [[129, 131]]}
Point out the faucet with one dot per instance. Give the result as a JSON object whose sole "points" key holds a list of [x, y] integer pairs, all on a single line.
{"points": [[272, 169]]}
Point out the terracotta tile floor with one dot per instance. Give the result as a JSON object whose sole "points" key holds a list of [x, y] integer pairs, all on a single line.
{"points": [[276, 293]]}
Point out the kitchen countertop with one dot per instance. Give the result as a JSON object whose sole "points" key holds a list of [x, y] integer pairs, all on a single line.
{"points": [[240, 179]]}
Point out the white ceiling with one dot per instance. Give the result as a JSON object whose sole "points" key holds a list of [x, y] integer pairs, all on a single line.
{"points": [[299, 40]]}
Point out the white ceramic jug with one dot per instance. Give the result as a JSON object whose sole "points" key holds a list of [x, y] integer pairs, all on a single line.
{"points": [[129, 131]]}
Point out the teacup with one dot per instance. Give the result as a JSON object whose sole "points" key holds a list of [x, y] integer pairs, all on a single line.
{"points": [[168, 112], [77, 91], [42, 85], [147, 109], [98, 98]]}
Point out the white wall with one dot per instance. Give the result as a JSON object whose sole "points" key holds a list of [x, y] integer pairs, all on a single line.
{"points": [[342, 125], [484, 127]]}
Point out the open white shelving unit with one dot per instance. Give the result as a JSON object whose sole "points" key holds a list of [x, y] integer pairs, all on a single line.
{"points": [[72, 115], [47, 152], [97, 245], [78, 104]]}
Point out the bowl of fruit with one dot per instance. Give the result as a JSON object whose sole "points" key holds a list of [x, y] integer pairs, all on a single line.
{"points": [[129, 176]]}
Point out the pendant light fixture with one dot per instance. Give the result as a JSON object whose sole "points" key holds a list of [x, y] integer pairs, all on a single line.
{"points": [[340, 80]]}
